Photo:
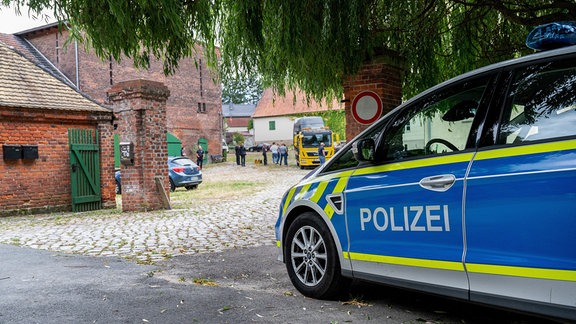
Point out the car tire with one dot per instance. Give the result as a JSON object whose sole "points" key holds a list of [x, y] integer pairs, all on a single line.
{"points": [[118, 188], [312, 259], [172, 185]]}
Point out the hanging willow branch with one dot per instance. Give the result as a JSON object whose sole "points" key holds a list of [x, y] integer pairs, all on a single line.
{"points": [[309, 44]]}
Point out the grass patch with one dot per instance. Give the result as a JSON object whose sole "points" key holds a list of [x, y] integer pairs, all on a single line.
{"points": [[213, 190]]}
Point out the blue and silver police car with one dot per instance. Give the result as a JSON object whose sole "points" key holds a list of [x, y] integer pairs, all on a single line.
{"points": [[467, 190]]}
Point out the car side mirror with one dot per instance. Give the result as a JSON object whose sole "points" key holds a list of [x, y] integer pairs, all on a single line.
{"points": [[364, 150]]}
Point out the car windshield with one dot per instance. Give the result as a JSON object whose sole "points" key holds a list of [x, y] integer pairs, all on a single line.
{"points": [[314, 140]]}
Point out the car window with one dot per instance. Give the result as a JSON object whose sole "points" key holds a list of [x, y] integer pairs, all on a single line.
{"points": [[346, 159], [541, 104], [183, 161], [438, 124]]}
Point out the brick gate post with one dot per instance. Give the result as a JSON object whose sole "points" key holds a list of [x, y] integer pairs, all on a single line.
{"points": [[383, 76], [140, 109]]}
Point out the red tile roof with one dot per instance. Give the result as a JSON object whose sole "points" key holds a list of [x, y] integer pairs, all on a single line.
{"points": [[292, 103], [237, 121]]}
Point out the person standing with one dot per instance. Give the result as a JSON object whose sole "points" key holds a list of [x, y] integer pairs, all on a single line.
{"points": [[321, 154], [200, 157], [264, 156], [283, 154], [237, 152], [274, 150], [242, 152]]}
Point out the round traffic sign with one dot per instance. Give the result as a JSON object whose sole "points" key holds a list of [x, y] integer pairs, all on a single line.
{"points": [[366, 107]]}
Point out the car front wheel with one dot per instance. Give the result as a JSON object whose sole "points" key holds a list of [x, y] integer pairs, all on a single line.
{"points": [[312, 259]]}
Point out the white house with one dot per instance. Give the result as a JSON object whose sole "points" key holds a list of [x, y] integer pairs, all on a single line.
{"points": [[274, 116]]}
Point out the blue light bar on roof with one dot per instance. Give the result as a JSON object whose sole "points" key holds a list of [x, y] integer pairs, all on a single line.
{"points": [[553, 35]]}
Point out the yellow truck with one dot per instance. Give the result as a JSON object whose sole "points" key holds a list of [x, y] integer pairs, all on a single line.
{"points": [[308, 133]]}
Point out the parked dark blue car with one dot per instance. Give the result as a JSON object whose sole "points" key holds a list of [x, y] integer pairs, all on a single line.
{"points": [[182, 172]]}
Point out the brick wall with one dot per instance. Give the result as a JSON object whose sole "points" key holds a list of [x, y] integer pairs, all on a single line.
{"points": [[43, 184], [189, 86], [382, 76], [107, 181], [140, 106]]}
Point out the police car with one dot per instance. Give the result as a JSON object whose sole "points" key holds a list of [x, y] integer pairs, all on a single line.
{"points": [[467, 190]]}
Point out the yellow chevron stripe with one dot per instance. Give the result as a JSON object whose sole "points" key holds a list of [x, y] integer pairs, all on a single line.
{"points": [[319, 191], [303, 191], [341, 184], [288, 199], [329, 211]]}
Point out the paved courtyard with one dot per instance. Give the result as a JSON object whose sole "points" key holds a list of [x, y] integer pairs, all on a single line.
{"points": [[237, 218]]}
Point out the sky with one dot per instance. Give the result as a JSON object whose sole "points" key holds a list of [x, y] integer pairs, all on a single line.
{"points": [[11, 23]]}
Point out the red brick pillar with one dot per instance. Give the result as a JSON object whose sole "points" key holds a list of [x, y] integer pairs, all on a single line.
{"points": [[383, 76], [106, 132], [140, 107]]}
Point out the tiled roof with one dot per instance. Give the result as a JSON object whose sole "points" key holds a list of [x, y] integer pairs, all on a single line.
{"points": [[23, 47], [238, 110], [270, 105], [237, 121], [25, 85]]}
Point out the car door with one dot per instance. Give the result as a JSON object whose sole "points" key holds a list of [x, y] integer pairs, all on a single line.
{"points": [[521, 194], [404, 205]]}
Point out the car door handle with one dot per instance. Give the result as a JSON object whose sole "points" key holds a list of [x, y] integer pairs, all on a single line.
{"points": [[438, 183]]}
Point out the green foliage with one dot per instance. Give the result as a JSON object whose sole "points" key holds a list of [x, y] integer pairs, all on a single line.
{"points": [[250, 124], [245, 89], [313, 45], [336, 121], [238, 138], [310, 45]]}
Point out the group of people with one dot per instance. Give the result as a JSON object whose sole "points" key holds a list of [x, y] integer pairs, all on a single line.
{"points": [[279, 153], [240, 151]]}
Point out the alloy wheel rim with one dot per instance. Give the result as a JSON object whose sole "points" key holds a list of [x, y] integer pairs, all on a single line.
{"points": [[308, 256]]}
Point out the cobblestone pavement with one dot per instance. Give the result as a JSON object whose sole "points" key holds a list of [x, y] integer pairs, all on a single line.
{"points": [[210, 225]]}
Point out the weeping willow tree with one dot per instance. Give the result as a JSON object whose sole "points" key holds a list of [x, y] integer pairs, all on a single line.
{"points": [[314, 44], [309, 44]]}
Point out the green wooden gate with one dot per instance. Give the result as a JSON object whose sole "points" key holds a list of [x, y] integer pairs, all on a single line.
{"points": [[85, 169]]}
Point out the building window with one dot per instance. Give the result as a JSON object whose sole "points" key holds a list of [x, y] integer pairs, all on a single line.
{"points": [[201, 107], [272, 125]]}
